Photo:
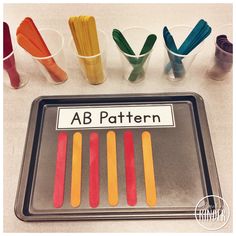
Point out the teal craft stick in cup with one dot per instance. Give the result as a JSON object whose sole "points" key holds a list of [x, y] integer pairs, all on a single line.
{"points": [[196, 36], [177, 62]]}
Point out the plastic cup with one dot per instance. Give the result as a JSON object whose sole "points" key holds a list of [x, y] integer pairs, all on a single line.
{"points": [[53, 67], [177, 65], [14, 71], [221, 62], [92, 68], [134, 67]]}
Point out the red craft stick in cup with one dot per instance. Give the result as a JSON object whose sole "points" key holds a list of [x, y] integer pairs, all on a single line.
{"points": [[8, 58]]}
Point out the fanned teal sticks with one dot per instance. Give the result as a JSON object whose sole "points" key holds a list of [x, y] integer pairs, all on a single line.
{"points": [[199, 33], [196, 36]]}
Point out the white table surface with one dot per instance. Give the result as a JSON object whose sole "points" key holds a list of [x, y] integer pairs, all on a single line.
{"points": [[217, 97]]}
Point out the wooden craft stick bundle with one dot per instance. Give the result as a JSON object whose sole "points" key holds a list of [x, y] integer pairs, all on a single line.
{"points": [[84, 32]]}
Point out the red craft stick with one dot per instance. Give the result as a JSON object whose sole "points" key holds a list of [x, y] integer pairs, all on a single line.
{"points": [[94, 170], [9, 63], [131, 192], [58, 195]]}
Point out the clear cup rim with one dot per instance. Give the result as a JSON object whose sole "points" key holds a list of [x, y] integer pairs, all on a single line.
{"points": [[223, 26], [9, 55], [58, 51], [184, 55], [102, 50], [135, 56], [140, 55]]}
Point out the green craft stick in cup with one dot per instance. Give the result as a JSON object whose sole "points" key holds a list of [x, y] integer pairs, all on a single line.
{"points": [[135, 45], [147, 47]]}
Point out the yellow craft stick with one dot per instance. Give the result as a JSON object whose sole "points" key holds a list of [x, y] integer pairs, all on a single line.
{"points": [[84, 32], [76, 170], [87, 40], [112, 169], [84, 41], [151, 197], [96, 70], [79, 34], [82, 35], [72, 28], [92, 34]]}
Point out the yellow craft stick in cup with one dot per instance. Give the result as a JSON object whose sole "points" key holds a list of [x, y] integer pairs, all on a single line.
{"points": [[84, 32]]}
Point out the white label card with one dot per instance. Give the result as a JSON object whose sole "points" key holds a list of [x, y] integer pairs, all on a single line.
{"points": [[115, 117]]}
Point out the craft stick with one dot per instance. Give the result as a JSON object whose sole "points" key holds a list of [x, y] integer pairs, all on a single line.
{"points": [[29, 30], [76, 170], [59, 181], [94, 65], [7, 43], [150, 185], [79, 34], [92, 35], [94, 170], [124, 46], [122, 42], [55, 71], [175, 61], [9, 63], [31, 40], [112, 169], [72, 28], [200, 38], [84, 32], [147, 47], [131, 192], [192, 36], [200, 32], [25, 43], [86, 40]]}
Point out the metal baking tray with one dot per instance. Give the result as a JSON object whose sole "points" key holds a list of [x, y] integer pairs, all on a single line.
{"points": [[183, 160]]}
